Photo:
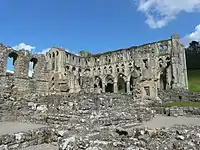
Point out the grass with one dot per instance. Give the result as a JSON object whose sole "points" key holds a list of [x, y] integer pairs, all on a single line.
{"points": [[194, 80], [194, 86], [183, 104]]}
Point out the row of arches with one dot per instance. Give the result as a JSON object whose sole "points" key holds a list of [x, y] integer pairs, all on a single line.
{"points": [[12, 59], [119, 85]]}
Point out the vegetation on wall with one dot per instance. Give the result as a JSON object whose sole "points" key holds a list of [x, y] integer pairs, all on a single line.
{"points": [[84, 53]]}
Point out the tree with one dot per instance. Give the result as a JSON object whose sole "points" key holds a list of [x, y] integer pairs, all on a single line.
{"points": [[84, 53], [193, 55]]}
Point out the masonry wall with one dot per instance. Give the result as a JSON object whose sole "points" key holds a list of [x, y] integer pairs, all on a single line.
{"points": [[19, 82], [151, 67], [144, 69]]}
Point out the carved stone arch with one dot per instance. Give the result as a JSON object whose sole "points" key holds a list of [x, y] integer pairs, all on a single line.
{"points": [[109, 59], [109, 84], [99, 70], [13, 55], [117, 68], [32, 66], [73, 69], [122, 68], [110, 69], [57, 53], [11, 62], [34, 61], [160, 62], [130, 66], [133, 78], [87, 72], [121, 83], [53, 54], [168, 61], [105, 69], [163, 79], [97, 82], [53, 61]]}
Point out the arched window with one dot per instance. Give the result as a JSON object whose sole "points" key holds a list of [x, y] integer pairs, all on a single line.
{"points": [[11, 60], [53, 54], [121, 84], [109, 84], [32, 66], [73, 69]]}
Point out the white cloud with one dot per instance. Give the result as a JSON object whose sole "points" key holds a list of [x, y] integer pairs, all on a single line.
{"points": [[23, 46], [160, 12], [44, 51], [194, 36]]}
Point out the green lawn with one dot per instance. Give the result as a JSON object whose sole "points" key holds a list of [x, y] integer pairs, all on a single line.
{"points": [[184, 104], [194, 86], [194, 80]]}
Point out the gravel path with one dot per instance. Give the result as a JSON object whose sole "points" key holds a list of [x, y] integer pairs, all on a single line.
{"points": [[42, 147], [164, 121], [14, 127]]}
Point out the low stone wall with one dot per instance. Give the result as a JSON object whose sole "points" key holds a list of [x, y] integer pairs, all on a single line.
{"points": [[26, 139], [182, 111], [174, 138], [179, 95], [96, 109]]}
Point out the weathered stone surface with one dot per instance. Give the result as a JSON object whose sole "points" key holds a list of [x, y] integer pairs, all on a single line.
{"points": [[95, 102], [140, 70], [176, 137]]}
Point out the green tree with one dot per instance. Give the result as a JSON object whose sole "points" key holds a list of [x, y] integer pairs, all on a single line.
{"points": [[84, 53]]}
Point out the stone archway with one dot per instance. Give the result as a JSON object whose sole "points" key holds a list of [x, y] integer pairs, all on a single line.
{"points": [[109, 87], [163, 80], [132, 83], [97, 82], [11, 62], [121, 83]]}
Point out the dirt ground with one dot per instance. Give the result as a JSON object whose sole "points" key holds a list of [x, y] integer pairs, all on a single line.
{"points": [[157, 122]]}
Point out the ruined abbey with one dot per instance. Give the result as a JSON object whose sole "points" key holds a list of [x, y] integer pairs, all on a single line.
{"points": [[145, 69], [117, 100]]}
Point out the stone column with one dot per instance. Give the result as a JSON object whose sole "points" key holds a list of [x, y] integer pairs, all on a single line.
{"points": [[115, 87], [128, 86], [103, 87]]}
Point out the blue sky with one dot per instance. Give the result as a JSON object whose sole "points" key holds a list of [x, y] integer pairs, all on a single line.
{"points": [[96, 25], [93, 25]]}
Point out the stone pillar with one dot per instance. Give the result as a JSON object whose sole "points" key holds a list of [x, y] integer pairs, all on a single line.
{"points": [[115, 87], [185, 69], [169, 78], [128, 86], [174, 56], [103, 87]]}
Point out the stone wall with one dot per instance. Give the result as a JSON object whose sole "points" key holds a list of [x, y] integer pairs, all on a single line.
{"points": [[182, 111], [19, 80], [174, 138], [179, 95], [155, 66], [86, 109], [26, 139]]}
